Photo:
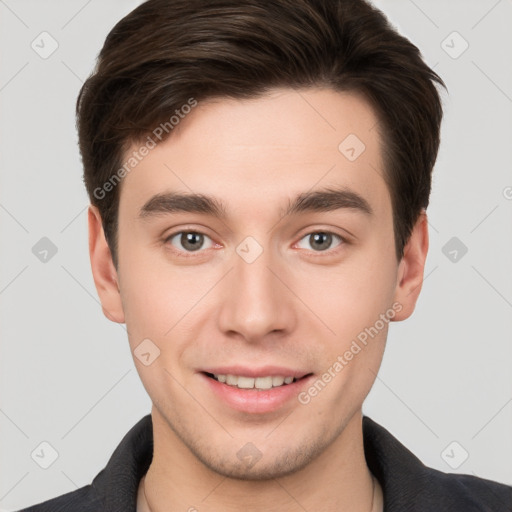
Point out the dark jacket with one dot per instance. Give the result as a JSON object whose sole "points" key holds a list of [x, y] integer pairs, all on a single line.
{"points": [[408, 485]]}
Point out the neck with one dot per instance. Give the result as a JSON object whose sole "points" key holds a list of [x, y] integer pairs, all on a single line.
{"points": [[337, 480]]}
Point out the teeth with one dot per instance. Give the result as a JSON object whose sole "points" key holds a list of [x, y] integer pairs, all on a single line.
{"points": [[231, 380], [244, 382], [277, 381], [251, 383], [262, 383]]}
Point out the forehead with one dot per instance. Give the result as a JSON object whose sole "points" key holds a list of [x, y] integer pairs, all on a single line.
{"points": [[261, 149]]}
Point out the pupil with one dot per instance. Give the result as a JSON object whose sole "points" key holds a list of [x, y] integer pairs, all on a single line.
{"points": [[321, 240], [192, 241]]}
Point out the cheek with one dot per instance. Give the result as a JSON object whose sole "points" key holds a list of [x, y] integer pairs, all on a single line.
{"points": [[350, 297], [159, 299], [356, 303]]}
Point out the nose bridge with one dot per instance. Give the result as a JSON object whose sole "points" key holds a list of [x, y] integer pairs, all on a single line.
{"points": [[255, 303]]}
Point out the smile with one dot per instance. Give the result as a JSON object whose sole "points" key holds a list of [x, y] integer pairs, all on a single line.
{"points": [[258, 383]]}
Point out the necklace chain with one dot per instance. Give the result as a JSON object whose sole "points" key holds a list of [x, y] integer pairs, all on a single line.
{"points": [[150, 509]]}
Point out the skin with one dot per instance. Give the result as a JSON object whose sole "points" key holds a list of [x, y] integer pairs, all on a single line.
{"points": [[295, 305]]}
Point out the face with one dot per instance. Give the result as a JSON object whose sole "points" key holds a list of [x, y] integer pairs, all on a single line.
{"points": [[287, 270]]}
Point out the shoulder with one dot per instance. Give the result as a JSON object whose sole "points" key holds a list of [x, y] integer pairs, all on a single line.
{"points": [[115, 486], [466, 492], [409, 485], [84, 499]]}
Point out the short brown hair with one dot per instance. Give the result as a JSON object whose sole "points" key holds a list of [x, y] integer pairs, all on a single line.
{"points": [[166, 52]]}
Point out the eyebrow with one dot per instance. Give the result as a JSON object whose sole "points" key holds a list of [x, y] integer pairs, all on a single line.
{"points": [[323, 200]]}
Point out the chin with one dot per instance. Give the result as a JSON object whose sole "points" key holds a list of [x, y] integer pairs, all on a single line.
{"points": [[250, 463]]}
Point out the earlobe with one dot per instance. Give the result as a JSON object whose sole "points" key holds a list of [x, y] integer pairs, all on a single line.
{"points": [[411, 268], [103, 269]]}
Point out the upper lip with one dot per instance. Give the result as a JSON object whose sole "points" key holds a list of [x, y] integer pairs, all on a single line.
{"points": [[262, 371]]}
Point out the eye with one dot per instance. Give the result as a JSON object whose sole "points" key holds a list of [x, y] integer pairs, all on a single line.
{"points": [[320, 241], [190, 241]]}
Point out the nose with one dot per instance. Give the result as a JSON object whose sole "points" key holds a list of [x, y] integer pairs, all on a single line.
{"points": [[256, 303]]}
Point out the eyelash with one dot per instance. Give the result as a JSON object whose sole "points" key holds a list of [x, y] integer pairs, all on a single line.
{"points": [[192, 254]]}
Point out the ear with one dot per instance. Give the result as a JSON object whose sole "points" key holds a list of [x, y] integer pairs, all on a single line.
{"points": [[411, 268], [103, 269]]}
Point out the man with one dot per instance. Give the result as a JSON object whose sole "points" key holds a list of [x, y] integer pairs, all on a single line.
{"points": [[259, 174]]}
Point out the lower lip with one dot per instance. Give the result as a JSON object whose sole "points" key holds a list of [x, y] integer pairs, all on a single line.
{"points": [[256, 401]]}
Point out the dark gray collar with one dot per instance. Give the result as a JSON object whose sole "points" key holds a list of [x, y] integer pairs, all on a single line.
{"points": [[407, 484]]}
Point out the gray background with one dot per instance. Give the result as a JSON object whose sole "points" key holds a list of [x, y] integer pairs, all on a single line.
{"points": [[67, 376]]}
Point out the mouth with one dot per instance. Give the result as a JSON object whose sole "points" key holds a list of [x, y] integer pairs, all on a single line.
{"points": [[255, 383], [266, 391]]}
